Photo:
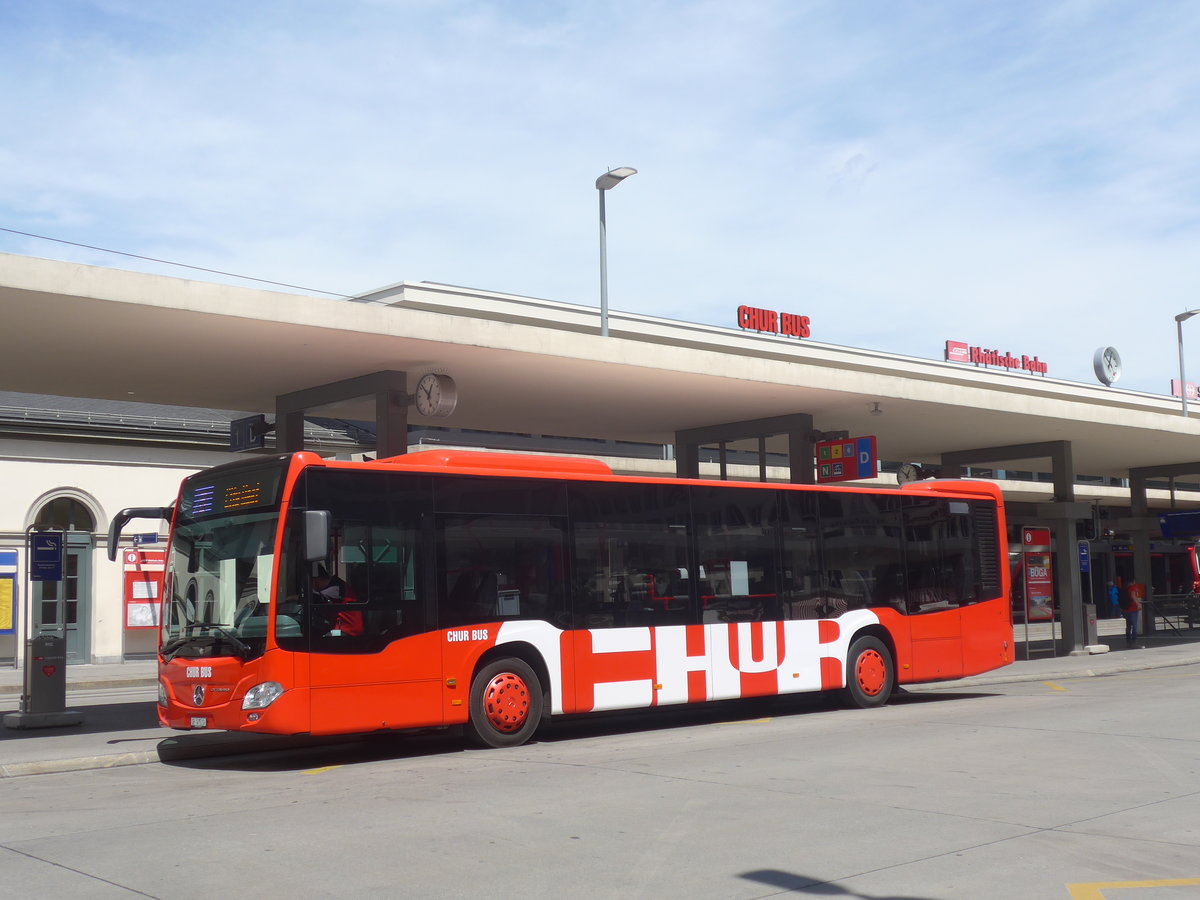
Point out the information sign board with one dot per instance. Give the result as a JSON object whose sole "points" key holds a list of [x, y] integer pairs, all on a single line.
{"points": [[1039, 574], [8, 591], [143, 587], [46, 556]]}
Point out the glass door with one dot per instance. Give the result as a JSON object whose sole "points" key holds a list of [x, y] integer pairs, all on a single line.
{"points": [[63, 607]]}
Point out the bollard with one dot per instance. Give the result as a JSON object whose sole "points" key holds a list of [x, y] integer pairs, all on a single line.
{"points": [[1089, 624], [45, 675], [44, 703]]}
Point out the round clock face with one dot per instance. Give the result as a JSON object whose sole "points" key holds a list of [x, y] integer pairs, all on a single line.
{"points": [[906, 473], [1107, 364], [436, 395]]}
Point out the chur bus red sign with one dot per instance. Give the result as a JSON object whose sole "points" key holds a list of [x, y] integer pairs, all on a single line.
{"points": [[1039, 574], [961, 352], [751, 318]]}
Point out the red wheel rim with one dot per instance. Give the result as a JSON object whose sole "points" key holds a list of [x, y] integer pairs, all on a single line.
{"points": [[506, 702], [870, 672]]}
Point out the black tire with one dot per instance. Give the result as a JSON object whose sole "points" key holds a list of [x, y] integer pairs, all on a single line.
{"points": [[506, 704], [870, 673]]}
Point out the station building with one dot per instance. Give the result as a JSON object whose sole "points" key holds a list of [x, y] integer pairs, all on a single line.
{"points": [[115, 385]]}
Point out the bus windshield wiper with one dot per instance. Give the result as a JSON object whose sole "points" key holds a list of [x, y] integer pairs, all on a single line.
{"points": [[212, 634]]}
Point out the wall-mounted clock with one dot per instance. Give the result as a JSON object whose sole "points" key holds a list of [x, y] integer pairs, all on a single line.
{"points": [[908, 472], [1107, 363], [436, 395]]}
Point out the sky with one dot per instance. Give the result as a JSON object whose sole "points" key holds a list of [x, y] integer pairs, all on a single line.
{"points": [[1020, 176]]}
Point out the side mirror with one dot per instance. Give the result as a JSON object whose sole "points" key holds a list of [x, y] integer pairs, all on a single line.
{"points": [[316, 534], [121, 519]]}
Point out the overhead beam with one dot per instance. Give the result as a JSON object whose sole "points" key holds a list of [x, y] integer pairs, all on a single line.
{"points": [[390, 390], [1058, 451], [796, 427]]}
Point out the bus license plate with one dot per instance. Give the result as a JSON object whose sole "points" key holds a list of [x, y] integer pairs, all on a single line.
{"points": [[199, 722]]}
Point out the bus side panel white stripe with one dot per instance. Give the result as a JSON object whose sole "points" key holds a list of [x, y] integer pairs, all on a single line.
{"points": [[620, 640], [623, 695], [548, 641]]}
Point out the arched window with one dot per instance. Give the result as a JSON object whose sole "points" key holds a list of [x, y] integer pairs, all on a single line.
{"points": [[65, 514]]}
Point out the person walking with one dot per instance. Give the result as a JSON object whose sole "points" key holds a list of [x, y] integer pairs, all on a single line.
{"points": [[1114, 600], [1131, 608]]}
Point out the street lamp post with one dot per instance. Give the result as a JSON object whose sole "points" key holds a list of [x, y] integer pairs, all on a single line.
{"points": [[1179, 320], [604, 183]]}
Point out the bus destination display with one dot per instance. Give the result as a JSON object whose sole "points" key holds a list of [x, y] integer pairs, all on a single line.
{"points": [[234, 492]]}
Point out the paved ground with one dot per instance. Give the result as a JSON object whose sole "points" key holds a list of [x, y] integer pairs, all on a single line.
{"points": [[119, 727]]}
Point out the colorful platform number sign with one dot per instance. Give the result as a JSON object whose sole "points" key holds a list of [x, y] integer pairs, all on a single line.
{"points": [[8, 591], [1039, 574], [846, 460]]}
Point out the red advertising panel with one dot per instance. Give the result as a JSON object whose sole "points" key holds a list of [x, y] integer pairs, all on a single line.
{"points": [[1039, 574], [143, 587]]}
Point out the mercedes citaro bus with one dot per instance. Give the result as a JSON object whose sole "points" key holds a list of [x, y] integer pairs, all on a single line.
{"points": [[493, 591]]}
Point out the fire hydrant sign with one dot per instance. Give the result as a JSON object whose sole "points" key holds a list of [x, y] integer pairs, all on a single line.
{"points": [[1039, 574], [845, 460]]}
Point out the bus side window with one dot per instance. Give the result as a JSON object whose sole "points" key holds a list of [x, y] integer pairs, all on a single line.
{"points": [[800, 574], [860, 545], [627, 540], [376, 530], [496, 567], [736, 542], [939, 545]]}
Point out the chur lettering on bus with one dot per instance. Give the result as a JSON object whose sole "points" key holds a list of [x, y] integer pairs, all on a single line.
{"points": [[631, 668]]}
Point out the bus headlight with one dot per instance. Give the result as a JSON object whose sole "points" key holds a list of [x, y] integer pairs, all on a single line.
{"points": [[262, 695], [162, 695]]}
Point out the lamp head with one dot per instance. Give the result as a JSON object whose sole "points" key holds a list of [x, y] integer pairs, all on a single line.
{"points": [[613, 177], [1184, 316]]}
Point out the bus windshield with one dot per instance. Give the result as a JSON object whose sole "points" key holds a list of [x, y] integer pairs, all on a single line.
{"points": [[219, 570], [219, 563]]}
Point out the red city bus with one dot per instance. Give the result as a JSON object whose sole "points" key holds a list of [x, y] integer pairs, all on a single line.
{"points": [[493, 591]]}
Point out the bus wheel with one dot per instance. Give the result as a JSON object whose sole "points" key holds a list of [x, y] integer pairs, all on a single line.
{"points": [[506, 704], [870, 675]]}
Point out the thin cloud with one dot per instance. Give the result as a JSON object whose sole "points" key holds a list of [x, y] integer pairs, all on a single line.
{"points": [[1018, 175]]}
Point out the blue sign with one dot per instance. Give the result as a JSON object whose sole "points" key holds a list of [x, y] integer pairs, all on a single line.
{"points": [[142, 539], [1085, 556], [46, 556], [866, 456], [1179, 524]]}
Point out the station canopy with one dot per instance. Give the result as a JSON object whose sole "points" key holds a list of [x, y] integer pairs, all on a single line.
{"points": [[529, 366]]}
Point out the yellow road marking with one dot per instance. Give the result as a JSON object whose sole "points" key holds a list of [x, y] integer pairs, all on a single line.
{"points": [[321, 770], [1095, 890], [1053, 686], [747, 722]]}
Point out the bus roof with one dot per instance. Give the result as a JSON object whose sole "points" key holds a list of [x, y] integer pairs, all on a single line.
{"points": [[482, 460]]}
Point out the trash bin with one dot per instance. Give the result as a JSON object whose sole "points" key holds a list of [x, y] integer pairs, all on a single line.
{"points": [[1089, 624], [45, 674]]}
